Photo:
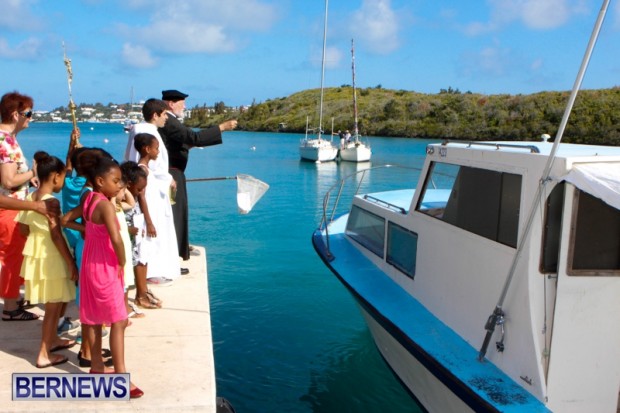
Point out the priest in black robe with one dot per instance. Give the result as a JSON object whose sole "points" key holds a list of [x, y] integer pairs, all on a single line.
{"points": [[179, 139]]}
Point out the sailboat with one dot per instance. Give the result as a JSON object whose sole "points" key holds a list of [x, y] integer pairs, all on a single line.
{"points": [[131, 118], [313, 146], [354, 149]]}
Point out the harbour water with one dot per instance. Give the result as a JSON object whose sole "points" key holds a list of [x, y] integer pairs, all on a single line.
{"points": [[287, 335]]}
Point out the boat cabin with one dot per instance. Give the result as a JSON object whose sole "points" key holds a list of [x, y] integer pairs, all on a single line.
{"points": [[483, 228]]}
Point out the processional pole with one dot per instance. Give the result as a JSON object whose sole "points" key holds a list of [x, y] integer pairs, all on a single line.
{"points": [[72, 106]]}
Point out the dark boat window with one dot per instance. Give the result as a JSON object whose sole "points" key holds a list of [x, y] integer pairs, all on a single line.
{"points": [[595, 237], [552, 230], [402, 248], [478, 200], [367, 228]]}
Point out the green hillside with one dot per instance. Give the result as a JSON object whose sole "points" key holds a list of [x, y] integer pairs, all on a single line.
{"points": [[449, 114]]}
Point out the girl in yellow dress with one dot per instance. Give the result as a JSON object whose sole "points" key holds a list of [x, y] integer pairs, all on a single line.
{"points": [[48, 268]]}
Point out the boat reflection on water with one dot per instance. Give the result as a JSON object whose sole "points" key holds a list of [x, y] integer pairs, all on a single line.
{"points": [[331, 388]]}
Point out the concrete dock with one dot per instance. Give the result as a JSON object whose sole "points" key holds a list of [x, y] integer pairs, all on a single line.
{"points": [[169, 353]]}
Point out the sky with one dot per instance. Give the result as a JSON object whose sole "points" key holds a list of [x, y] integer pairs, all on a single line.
{"points": [[244, 51]]}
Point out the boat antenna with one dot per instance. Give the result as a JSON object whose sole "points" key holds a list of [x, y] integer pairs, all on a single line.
{"points": [[323, 71], [72, 106], [355, 128], [497, 317]]}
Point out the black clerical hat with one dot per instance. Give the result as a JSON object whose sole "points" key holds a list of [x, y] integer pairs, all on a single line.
{"points": [[173, 95]]}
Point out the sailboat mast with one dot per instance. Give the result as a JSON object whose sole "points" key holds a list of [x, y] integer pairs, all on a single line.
{"points": [[323, 71], [355, 129]]}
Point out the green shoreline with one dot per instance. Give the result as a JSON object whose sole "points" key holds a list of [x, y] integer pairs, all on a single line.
{"points": [[450, 114]]}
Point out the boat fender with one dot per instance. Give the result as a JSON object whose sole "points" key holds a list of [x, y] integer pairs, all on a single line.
{"points": [[223, 406]]}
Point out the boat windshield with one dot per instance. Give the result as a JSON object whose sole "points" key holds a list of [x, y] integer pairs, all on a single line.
{"points": [[482, 201]]}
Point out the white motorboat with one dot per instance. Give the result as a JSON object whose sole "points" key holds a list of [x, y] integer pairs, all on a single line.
{"points": [[427, 266], [355, 150], [314, 147], [495, 285]]}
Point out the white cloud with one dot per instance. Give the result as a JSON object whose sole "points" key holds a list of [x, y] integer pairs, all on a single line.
{"points": [[333, 57], [476, 28], [376, 25], [182, 38], [16, 15], [534, 14], [537, 64], [29, 49], [138, 56], [198, 26], [490, 61], [616, 16]]}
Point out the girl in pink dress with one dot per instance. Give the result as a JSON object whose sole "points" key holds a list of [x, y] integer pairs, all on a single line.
{"points": [[101, 275]]}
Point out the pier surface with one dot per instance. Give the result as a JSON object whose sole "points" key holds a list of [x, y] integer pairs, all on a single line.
{"points": [[169, 353]]}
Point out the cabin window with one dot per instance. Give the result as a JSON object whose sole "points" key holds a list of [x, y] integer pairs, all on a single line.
{"points": [[478, 200], [552, 230], [402, 248], [367, 228], [595, 237]]}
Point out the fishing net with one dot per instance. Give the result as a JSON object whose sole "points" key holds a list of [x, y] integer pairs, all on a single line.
{"points": [[249, 191]]}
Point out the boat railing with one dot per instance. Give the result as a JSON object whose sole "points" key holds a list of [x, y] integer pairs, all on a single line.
{"points": [[496, 145], [385, 204], [334, 194]]}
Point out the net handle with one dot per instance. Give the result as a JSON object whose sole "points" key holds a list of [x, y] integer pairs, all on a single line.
{"points": [[219, 178]]}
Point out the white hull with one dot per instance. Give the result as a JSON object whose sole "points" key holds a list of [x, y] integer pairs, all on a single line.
{"points": [[355, 152], [427, 389], [317, 150]]}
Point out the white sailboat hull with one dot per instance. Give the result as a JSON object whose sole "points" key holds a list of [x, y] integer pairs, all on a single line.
{"points": [[317, 150], [355, 152]]}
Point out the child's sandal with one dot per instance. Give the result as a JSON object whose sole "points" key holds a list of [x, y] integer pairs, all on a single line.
{"points": [[18, 315], [24, 304], [153, 299], [144, 302]]}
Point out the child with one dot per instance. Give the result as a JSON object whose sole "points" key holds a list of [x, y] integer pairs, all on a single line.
{"points": [[164, 265], [75, 189], [136, 177], [48, 267], [124, 201], [136, 183], [70, 195], [103, 259]]}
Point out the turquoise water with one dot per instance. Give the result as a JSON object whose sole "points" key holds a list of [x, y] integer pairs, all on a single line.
{"points": [[287, 335]]}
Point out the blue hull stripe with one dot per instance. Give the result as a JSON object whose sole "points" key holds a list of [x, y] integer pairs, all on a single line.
{"points": [[480, 385]]}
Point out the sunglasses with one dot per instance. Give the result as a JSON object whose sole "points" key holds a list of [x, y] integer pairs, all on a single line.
{"points": [[27, 114]]}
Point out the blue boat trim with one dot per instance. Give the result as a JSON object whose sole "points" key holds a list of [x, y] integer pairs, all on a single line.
{"points": [[480, 385]]}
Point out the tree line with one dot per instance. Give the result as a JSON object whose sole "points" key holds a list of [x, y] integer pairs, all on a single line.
{"points": [[450, 114]]}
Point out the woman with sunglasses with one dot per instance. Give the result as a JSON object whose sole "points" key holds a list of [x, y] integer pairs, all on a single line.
{"points": [[15, 114]]}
